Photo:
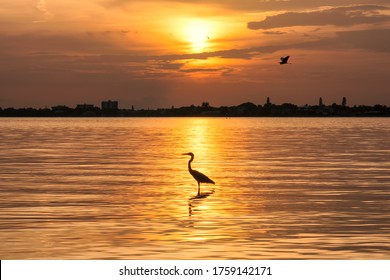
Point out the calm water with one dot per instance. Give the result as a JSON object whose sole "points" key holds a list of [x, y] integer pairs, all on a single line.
{"points": [[120, 188]]}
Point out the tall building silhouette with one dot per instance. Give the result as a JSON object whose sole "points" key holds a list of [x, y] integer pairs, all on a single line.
{"points": [[109, 105]]}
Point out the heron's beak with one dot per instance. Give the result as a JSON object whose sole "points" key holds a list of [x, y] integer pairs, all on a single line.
{"points": [[186, 154]]}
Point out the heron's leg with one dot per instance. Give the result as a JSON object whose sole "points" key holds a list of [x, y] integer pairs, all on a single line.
{"points": [[198, 188]]}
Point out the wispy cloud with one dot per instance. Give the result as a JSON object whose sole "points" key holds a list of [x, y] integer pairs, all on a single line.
{"points": [[246, 5], [274, 33], [374, 40], [340, 16], [41, 6], [194, 70]]}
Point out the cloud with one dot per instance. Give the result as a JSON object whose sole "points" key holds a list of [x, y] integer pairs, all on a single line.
{"points": [[341, 16], [169, 61], [194, 70], [41, 6], [274, 33], [245, 5], [375, 40], [68, 53], [145, 66], [106, 33]]}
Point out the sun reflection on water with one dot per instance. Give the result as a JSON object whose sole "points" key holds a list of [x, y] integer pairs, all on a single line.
{"points": [[125, 191]]}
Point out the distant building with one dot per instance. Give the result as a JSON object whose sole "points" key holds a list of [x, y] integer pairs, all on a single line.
{"points": [[84, 106], [344, 102], [109, 105]]}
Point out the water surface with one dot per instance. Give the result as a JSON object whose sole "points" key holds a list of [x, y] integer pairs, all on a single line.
{"points": [[286, 188]]}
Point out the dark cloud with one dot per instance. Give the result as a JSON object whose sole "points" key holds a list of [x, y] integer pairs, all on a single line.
{"points": [[341, 16], [166, 65], [194, 70], [274, 32]]}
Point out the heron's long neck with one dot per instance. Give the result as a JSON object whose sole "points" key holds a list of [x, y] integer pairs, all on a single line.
{"points": [[189, 163]]}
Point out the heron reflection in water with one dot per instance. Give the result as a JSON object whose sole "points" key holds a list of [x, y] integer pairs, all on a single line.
{"points": [[199, 177]]}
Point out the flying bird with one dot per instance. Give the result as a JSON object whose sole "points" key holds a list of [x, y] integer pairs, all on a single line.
{"points": [[283, 60], [199, 177]]}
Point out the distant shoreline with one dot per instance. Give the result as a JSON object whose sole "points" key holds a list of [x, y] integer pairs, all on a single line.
{"points": [[247, 109]]}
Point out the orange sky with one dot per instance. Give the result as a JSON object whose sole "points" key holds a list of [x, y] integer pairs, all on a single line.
{"points": [[161, 53]]}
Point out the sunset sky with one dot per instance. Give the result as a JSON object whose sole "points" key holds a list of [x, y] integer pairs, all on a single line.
{"points": [[154, 54]]}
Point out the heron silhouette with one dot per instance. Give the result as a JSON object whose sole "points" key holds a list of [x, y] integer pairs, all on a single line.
{"points": [[199, 177], [283, 60]]}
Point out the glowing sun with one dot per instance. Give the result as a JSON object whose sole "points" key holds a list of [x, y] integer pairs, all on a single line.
{"points": [[197, 33]]}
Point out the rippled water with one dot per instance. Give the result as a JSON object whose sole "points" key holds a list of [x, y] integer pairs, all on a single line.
{"points": [[286, 188]]}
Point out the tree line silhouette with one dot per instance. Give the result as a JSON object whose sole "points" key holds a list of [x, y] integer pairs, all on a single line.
{"points": [[247, 109]]}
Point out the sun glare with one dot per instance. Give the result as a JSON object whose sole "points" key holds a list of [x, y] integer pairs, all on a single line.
{"points": [[198, 33]]}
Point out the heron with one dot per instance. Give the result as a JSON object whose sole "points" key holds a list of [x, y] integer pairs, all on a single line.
{"points": [[283, 60], [199, 177]]}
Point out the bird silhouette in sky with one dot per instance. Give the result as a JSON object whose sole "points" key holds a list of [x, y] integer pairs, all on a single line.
{"points": [[283, 60]]}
